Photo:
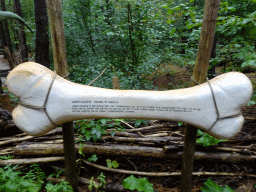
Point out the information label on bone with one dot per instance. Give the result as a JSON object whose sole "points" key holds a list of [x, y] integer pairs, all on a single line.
{"points": [[116, 107]]}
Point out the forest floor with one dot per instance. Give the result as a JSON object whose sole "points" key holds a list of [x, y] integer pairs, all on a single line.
{"points": [[235, 157]]}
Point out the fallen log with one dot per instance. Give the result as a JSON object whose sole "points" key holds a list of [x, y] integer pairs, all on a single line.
{"points": [[125, 150], [157, 140], [120, 133], [31, 160], [57, 149], [16, 140], [149, 128]]}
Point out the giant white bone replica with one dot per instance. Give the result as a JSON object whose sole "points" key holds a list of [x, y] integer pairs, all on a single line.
{"points": [[68, 101]]}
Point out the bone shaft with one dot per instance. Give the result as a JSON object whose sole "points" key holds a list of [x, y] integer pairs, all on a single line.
{"points": [[91, 102]]}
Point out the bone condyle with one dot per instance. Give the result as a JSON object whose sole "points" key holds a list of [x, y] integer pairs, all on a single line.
{"points": [[68, 101]]}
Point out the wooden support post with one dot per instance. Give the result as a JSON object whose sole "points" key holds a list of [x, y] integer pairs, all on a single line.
{"points": [[211, 9], [60, 65]]}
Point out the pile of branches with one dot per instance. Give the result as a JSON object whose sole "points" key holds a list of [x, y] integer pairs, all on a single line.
{"points": [[158, 139]]}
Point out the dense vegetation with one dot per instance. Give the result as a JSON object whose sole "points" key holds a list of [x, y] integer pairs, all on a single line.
{"points": [[133, 38]]}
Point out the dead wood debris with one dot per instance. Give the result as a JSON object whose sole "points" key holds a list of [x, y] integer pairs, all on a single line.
{"points": [[164, 141], [161, 144]]}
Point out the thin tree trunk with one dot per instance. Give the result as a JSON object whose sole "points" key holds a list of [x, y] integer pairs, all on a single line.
{"points": [[6, 29], [85, 7], [42, 37], [90, 34], [22, 36], [2, 35], [130, 34], [212, 72]]}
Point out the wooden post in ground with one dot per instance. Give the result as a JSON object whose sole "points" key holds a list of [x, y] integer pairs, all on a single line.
{"points": [[60, 65], [211, 9]]}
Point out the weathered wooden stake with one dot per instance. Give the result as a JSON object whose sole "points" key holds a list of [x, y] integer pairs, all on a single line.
{"points": [[60, 65], [211, 9]]}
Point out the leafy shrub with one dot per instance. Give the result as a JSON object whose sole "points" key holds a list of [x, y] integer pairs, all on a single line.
{"points": [[12, 181], [63, 186], [111, 164], [95, 129], [206, 139], [133, 183], [210, 186], [16, 181]]}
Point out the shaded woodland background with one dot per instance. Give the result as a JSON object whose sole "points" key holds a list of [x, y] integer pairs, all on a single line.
{"points": [[132, 39], [148, 45]]}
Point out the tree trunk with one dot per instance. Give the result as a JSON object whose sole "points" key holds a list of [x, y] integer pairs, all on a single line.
{"points": [[22, 36], [42, 37], [212, 72], [2, 35], [130, 35], [211, 9], [6, 29]]}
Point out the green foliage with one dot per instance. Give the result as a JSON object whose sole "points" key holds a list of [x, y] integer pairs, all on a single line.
{"points": [[99, 34], [16, 181], [63, 186], [111, 164], [36, 173], [57, 174], [93, 184], [5, 15], [253, 100], [138, 122], [102, 177], [180, 123], [6, 157], [12, 181], [91, 129], [12, 97], [210, 186], [133, 183], [93, 158], [206, 139]]}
